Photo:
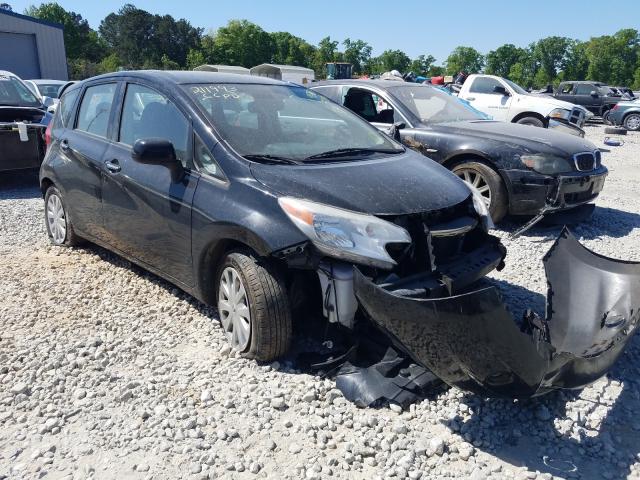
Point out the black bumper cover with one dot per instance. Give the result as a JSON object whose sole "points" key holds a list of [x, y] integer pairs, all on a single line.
{"points": [[472, 342]]}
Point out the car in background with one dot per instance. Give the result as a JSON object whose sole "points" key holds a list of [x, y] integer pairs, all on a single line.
{"points": [[596, 97], [625, 114], [23, 121], [48, 91], [517, 170]]}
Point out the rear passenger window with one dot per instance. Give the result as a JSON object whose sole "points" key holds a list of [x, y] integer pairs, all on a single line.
{"points": [[149, 114], [566, 88], [65, 107], [95, 109], [484, 85]]}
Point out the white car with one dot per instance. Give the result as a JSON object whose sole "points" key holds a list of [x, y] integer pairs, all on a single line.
{"points": [[47, 91], [506, 101]]}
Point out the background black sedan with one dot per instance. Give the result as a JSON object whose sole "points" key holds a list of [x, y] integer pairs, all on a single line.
{"points": [[517, 169]]}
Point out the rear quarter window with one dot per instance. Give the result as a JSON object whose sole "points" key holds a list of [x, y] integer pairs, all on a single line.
{"points": [[66, 108], [95, 109]]}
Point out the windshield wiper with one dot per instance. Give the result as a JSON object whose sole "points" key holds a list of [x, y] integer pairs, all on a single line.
{"points": [[341, 152], [265, 158]]}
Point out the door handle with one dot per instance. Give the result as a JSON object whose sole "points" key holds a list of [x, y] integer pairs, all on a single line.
{"points": [[64, 145], [113, 165], [471, 99]]}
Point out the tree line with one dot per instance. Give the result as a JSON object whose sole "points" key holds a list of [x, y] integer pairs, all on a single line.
{"points": [[132, 38]]}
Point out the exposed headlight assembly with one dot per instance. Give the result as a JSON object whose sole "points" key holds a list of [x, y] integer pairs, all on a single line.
{"points": [[481, 207], [351, 236], [546, 164], [561, 113]]}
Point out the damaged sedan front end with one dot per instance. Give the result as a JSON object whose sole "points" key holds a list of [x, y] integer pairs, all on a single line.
{"points": [[471, 340]]}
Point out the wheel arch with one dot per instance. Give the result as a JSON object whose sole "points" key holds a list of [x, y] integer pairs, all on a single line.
{"points": [[45, 183], [522, 115]]}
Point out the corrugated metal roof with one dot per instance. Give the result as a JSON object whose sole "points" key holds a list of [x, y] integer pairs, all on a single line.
{"points": [[282, 68], [32, 19]]}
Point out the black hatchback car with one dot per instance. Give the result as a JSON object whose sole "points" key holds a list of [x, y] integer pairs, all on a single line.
{"points": [[264, 198], [519, 171]]}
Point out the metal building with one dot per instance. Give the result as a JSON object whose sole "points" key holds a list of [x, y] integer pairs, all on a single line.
{"points": [[223, 69], [32, 48], [287, 73]]}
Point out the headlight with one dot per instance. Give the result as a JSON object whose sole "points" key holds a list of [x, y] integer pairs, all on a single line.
{"points": [[561, 113], [343, 234], [546, 164], [481, 207]]}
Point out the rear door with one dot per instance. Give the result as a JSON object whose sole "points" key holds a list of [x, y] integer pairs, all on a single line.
{"points": [[482, 97], [147, 215], [84, 146]]}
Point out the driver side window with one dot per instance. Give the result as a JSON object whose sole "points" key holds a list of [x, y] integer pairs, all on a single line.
{"points": [[369, 106], [484, 85]]}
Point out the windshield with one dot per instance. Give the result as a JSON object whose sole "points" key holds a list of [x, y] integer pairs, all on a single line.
{"points": [[14, 93], [285, 121], [434, 106], [49, 89], [516, 87]]}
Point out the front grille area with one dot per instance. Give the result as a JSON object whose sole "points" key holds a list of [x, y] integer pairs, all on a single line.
{"points": [[586, 161], [577, 117]]}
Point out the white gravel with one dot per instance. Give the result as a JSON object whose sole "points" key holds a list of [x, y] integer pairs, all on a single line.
{"points": [[108, 372]]}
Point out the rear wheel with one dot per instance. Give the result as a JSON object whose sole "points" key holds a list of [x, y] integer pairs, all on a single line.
{"points": [[488, 183], [59, 227], [253, 307], [632, 122], [533, 121]]}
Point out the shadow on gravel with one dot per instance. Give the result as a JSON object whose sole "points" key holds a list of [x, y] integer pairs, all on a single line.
{"points": [[20, 185], [537, 433], [605, 221]]}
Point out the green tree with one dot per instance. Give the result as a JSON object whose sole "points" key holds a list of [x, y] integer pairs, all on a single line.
{"points": [[613, 58], [242, 43], [422, 65], [327, 51], [291, 50], [357, 53], [110, 63], [195, 58], [464, 59], [576, 65], [550, 54], [79, 39], [500, 60], [393, 60]]}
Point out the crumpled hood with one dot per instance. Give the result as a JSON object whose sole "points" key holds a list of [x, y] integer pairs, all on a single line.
{"points": [[472, 341], [532, 138], [390, 185]]}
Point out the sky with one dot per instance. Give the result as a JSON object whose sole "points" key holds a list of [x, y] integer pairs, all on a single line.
{"points": [[417, 27]]}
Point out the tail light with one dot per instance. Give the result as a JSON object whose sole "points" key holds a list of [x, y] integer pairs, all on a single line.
{"points": [[47, 135]]}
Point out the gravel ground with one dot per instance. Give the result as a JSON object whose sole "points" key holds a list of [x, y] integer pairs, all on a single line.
{"points": [[108, 372]]}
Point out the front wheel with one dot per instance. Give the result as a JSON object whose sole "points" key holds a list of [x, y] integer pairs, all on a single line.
{"points": [[488, 183], [533, 121], [632, 122], [253, 307]]}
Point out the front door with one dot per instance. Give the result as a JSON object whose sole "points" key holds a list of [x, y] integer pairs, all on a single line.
{"points": [[482, 97], [147, 214]]}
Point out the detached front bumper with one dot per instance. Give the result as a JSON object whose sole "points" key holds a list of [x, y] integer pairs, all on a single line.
{"points": [[471, 341], [530, 192]]}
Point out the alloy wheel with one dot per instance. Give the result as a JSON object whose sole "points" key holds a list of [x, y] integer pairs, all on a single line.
{"points": [[56, 219], [233, 307], [476, 180], [633, 122]]}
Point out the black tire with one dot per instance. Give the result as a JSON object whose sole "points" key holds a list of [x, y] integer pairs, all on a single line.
{"points": [[632, 122], [605, 117], [70, 238], [615, 131], [533, 121], [499, 199], [268, 302]]}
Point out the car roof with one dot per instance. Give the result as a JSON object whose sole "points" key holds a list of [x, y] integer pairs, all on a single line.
{"points": [[383, 84], [181, 77]]}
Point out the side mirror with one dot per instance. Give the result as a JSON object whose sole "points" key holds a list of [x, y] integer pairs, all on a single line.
{"points": [[501, 90], [594, 93], [158, 151], [394, 130], [47, 101]]}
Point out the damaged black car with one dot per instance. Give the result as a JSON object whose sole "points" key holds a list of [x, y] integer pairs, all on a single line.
{"points": [[23, 123], [517, 170], [266, 199]]}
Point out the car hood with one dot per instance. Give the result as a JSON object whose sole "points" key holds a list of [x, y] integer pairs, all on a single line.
{"points": [[532, 138], [392, 185]]}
